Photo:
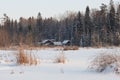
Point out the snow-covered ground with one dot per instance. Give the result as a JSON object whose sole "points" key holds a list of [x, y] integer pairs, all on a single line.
{"points": [[75, 67]]}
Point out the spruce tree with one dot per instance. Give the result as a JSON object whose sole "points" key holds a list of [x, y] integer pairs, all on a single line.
{"points": [[88, 27]]}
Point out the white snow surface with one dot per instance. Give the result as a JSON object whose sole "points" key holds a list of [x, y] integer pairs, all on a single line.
{"points": [[75, 67]]}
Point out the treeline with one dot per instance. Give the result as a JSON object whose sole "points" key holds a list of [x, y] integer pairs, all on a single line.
{"points": [[93, 28]]}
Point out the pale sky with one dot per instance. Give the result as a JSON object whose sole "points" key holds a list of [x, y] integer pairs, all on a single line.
{"points": [[26, 8]]}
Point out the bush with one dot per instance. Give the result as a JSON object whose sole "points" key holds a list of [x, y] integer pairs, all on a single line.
{"points": [[102, 61]]}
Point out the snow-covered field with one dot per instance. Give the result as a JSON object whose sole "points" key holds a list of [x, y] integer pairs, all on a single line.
{"points": [[75, 67]]}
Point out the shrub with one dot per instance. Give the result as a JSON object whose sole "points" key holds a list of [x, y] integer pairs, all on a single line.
{"points": [[102, 61]]}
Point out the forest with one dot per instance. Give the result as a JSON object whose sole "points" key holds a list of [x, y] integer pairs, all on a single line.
{"points": [[94, 27]]}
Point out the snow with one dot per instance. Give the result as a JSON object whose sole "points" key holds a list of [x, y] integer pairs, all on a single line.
{"points": [[76, 66]]}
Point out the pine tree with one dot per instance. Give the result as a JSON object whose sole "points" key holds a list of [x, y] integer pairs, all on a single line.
{"points": [[88, 27], [78, 29], [112, 22], [112, 16], [117, 24], [103, 25], [39, 27], [118, 18]]}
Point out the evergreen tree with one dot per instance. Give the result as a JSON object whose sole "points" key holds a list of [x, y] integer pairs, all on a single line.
{"points": [[39, 27], [78, 29], [112, 16], [88, 27], [118, 19], [102, 30], [112, 26]]}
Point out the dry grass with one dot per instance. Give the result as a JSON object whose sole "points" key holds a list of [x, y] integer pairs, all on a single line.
{"points": [[26, 59], [70, 48], [60, 58]]}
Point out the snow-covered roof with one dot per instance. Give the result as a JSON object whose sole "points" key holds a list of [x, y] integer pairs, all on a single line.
{"points": [[44, 41], [65, 41]]}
